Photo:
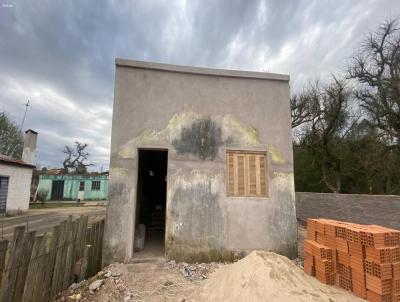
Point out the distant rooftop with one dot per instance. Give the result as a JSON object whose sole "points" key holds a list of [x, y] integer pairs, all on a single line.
{"points": [[14, 162], [201, 70]]}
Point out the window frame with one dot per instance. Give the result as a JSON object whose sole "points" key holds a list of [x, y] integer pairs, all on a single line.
{"points": [[246, 174], [94, 185], [81, 186]]}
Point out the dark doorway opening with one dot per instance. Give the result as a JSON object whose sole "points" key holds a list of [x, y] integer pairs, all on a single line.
{"points": [[151, 203], [57, 190]]}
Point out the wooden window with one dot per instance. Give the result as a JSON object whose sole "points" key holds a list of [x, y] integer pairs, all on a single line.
{"points": [[82, 186], [246, 174], [95, 185]]}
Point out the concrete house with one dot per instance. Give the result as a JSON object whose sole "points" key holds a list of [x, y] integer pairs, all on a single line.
{"points": [[16, 177], [203, 159], [74, 187]]}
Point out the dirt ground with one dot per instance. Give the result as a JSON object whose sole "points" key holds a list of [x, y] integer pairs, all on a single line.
{"points": [[160, 281], [143, 282], [153, 282], [250, 277]]}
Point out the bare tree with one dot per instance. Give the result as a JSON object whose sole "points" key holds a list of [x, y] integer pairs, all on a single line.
{"points": [[303, 105], [76, 156], [331, 122], [376, 68]]}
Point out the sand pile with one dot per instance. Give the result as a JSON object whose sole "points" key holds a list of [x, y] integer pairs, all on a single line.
{"points": [[263, 276]]}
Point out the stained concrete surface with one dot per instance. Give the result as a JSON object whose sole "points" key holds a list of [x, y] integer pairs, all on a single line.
{"points": [[43, 220], [153, 248]]}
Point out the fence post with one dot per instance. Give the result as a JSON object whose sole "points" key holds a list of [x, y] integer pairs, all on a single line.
{"points": [[3, 253], [10, 278], [100, 245], [75, 230], [69, 254], [57, 277], [64, 249], [88, 240], [85, 263], [41, 272], [32, 276], [23, 265], [50, 258], [82, 241], [95, 231], [78, 238]]}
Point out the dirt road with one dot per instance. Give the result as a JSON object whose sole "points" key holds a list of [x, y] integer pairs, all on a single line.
{"points": [[43, 220]]}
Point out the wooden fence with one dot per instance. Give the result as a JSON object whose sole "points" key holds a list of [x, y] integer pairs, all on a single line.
{"points": [[35, 268]]}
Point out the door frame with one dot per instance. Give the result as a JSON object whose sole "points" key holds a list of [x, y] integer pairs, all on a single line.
{"points": [[163, 149], [61, 186]]}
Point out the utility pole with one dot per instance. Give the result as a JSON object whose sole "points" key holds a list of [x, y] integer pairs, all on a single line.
{"points": [[11, 146], [23, 120]]}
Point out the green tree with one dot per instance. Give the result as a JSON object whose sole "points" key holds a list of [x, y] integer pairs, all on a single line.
{"points": [[11, 138]]}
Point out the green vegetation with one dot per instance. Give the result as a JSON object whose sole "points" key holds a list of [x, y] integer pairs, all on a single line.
{"points": [[347, 131], [11, 139], [49, 205]]}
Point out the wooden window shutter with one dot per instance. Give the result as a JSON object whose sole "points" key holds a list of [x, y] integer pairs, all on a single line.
{"points": [[241, 179], [231, 173], [252, 175], [263, 175], [246, 173]]}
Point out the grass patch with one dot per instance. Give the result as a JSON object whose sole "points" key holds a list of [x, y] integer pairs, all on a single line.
{"points": [[48, 205]]}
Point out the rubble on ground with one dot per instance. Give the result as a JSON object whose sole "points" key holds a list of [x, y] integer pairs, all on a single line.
{"points": [[299, 262], [194, 271], [260, 276], [85, 290], [95, 285]]}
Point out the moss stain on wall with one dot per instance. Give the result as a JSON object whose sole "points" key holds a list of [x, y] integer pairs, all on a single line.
{"points": [[275, 154], [236, 133], [188, 131]]}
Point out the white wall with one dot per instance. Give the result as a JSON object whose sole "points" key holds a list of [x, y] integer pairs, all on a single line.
{"points": [[19, 185]]}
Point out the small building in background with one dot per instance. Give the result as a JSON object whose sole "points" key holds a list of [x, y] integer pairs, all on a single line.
{"points": [[74, 187], [16, 176]]}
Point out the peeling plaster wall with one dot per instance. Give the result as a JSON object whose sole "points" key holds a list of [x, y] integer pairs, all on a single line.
{"points": [[197, 116]]}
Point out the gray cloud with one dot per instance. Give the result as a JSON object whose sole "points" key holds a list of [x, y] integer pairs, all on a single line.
{"points": [[60, 54]]}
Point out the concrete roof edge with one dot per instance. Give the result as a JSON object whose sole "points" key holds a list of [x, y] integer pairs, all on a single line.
{"points": [[201, 70], [17, 164]]}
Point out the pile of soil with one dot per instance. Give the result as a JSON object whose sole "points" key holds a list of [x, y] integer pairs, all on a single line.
{"points": [[265, 276], [261, 276]]}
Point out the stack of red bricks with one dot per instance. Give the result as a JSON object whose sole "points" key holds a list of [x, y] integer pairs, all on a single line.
{"points": [[364, 259]]}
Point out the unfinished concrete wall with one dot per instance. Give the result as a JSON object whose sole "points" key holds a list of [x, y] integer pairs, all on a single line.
{"points": [[197, 114], [358, 208]]}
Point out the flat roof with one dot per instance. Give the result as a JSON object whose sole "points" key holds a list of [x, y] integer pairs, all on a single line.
{"points": [[201, 71]]}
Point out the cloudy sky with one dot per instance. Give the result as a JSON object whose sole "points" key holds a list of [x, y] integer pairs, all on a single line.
{"points": [[60, 54]]}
